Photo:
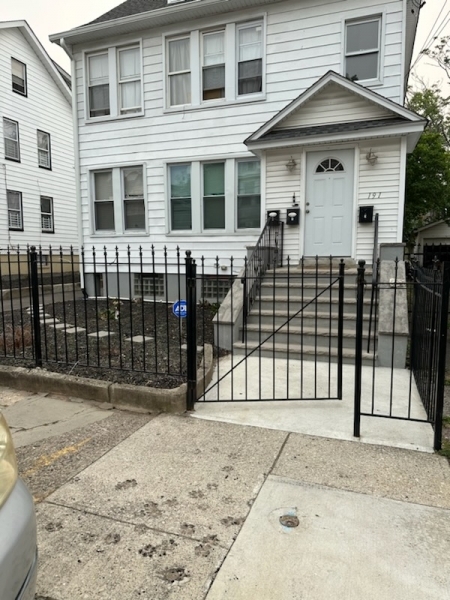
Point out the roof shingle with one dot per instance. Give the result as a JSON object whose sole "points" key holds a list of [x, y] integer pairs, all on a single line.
{"points": [[133, 7]]}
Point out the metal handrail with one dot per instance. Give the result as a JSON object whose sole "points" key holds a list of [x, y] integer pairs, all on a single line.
{"points": [[267, 252], [375, 274]]}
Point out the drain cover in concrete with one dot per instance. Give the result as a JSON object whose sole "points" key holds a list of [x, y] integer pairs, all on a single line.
{"points": [[101, 334]]}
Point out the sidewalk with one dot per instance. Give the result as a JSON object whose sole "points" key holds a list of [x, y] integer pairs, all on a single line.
{"points": [[157, 507]]}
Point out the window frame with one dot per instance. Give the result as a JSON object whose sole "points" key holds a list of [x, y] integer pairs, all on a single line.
{"points": [[117, 200], [361, 20], [204, 229], [231, 72], [125, 200], [202, 65], [184, 72], [49, 168], [25, 81], [136, 109], [169, 194], [17, 160], [197, 196], [8, 191], [112, 53], [51, 214], [236, 193]]}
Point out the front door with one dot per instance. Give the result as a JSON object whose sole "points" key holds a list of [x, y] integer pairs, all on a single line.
{"points": [[329, 203]]}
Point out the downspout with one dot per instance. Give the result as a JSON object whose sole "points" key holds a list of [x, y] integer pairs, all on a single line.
{"points": [[76, 144]]}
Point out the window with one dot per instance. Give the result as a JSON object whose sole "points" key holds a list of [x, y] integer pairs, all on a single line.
{"points": [[330, 165], [119, 200], [44, 153], [15, 214], [214, 196], [103, 201], [179, 72], [249, 59], [98, 69], [362, 49], [180, 197], [214, 65], [206, 66], [114, 79], [130, 80], [149, 285], [133, 192], [215, 288], [249, 194], [19, 77], [11, 138], [47, 215]]}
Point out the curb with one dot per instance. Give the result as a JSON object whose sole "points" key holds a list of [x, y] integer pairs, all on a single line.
{"points": [[116, 394]]}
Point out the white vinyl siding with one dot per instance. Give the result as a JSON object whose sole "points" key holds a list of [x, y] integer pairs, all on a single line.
{"points": [[44, 150], [47, 221], [15, 210], [19, 77], [11, 139], [363, 49], [114, 82]]}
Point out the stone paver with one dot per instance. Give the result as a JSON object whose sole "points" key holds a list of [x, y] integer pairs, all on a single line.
{"points": [[100, 334], [139, 339], [75, 330]]}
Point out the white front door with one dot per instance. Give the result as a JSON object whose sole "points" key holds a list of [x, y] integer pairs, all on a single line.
{"points": [[328, 218]]}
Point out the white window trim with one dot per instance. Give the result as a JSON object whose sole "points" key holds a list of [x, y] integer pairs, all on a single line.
{"points": [[168, 74], [114, 88], [231, 72], [197, 197], [25, 79], [119, 213], [50, 214], [20, 211], [124, 200], [202, 66], [49, 151], [363, 17], [17, 141]]}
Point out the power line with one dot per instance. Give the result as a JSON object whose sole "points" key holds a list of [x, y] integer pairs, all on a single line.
{"points": [[440, 28]]}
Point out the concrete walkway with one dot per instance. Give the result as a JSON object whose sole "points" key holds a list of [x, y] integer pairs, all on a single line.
{"points": [[156, 507]]}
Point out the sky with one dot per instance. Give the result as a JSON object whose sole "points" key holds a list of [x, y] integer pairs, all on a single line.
{"points": [[53, 16]]}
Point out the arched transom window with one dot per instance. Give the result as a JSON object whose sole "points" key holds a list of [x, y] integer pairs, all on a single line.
{"points": [[330, 165]]}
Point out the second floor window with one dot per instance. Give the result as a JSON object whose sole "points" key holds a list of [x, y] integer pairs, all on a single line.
{"points": [[44, 153], [179, 72], [19, 77], [114, 82], [213, 65], [11, 139], [15, 215], [250, 59], [362, 49]]}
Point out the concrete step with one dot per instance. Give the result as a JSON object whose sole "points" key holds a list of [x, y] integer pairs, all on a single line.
{"points": [[295, 303], [309, 314], [284, 351], [306, 336]]}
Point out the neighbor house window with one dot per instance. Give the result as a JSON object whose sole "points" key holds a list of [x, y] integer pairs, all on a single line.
{"points": [[213, 65], [44, 152], [248, 194], [133, 202], [19, 77], [118, 196], [98, 76], [250, 54], [362, 49], [11, 139], [179, 72], [15, 213], [129, 60], [47, 222], [103, 201], [214, 195], [216, 65], [180, 197]]}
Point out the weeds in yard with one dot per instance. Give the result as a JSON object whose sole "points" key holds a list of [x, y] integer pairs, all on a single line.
{"points": [[445, 450], [16, 338], [446, 422]]}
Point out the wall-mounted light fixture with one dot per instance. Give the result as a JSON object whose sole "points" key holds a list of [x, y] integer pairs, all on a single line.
{"points": [[291, 164], [371, 157]]}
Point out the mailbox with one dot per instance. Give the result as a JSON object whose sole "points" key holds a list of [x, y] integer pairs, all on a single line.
{"points": [[293, 216], [273, 216], [366, 214]]}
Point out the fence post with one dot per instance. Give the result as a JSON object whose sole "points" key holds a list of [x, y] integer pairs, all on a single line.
{"points": [[358, 347], [445, 270], [340, 326], [191, 331], [33, 265]]}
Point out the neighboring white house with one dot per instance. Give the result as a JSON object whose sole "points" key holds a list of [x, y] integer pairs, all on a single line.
{"points": [[196, 118], [37, 174]]}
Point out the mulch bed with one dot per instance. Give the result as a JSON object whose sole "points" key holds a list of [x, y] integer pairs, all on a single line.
{"points": [[160, 362]]}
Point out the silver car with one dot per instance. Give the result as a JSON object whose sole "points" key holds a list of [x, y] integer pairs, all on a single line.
{"points": [[18, 547]]}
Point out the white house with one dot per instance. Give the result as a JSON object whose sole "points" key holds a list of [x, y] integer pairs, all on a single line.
{"points": [[194, 119], [37, 175]]}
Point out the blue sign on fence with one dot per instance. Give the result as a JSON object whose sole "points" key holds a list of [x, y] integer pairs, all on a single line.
{"points": [[179, 309]]}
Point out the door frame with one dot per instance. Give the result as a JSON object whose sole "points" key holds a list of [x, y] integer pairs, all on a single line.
{"points": [[303, 175]]}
